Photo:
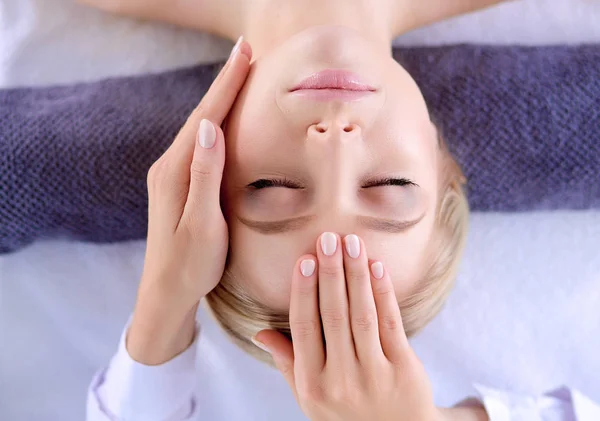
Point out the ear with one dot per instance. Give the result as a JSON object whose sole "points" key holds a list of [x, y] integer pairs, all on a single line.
{"points": [[281, 350]]}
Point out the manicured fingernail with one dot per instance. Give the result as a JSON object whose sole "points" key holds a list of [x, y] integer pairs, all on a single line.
{"points": [[328, 243], [307, 267], [352, 246], [236, 47], [207, 135], [260, 344], [377, 270]]}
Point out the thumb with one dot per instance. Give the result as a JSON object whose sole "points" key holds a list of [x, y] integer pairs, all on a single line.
{"points": [[206, 170], [281, 350]]}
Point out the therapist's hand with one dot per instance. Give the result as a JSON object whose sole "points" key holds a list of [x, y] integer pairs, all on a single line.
{"points": [[187, 234], [361, 367]]}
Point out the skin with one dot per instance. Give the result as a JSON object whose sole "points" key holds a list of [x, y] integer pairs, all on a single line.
{"points": [[344, 304], [184, 216], [331, 151], [335, 152], [375, 370]]}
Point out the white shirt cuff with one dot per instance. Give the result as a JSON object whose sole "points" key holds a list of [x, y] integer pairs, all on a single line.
{"points": [[557, 405], [131, 391]]}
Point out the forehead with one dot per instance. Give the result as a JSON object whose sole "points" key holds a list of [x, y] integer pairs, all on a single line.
{"points": [[262, 265]]}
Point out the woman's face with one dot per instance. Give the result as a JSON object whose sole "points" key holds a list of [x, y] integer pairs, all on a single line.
{"points": [[298, 165]]}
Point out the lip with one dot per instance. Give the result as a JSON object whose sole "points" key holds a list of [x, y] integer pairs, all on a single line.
{"points": [[333, 84], [331, 94]]}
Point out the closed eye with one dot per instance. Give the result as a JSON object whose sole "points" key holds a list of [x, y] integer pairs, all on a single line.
{"points": [[264, 183], [402, 182]]}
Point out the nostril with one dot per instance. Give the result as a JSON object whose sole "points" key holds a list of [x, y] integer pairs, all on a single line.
{"points": [[348, 129], [320, 129]]}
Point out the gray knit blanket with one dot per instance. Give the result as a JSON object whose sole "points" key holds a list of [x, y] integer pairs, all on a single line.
{"points": [[524, 122]]}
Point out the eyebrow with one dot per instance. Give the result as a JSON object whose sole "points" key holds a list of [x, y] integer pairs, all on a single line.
{"points": [[389, 226]]}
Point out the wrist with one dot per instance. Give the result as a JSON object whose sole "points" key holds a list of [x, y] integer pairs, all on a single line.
{"points": [[463, 413], [159, 332], [166, 291]]}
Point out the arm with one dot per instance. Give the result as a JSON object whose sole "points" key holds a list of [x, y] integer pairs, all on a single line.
{"points": [[467, 413], [220, 17], [152, 376]]}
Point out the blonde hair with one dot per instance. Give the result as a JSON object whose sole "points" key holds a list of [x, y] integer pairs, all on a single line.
{"points": [[242, 316]]}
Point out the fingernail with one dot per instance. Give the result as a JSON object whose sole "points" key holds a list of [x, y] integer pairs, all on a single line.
{"points": [[328, 243], [307, 267], [207, 135], [259, 344], [352, 246], [236, 47], [377, 270]]}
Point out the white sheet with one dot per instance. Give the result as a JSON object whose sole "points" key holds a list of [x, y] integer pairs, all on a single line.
{"points": [[524, 315], [56, 41]]}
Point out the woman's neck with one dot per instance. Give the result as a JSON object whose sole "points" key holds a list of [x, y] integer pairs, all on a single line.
{"points": [[267, 23]]}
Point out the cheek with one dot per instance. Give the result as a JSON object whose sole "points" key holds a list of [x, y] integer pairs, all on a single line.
{"points": [[402, 203], [252, 122], [257, 140], [278, 203]]}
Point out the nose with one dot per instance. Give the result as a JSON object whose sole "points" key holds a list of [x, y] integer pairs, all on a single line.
{"points": [[327, 130], [334, 152]]}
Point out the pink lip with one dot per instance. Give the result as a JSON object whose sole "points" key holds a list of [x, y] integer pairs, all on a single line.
{"points": [[331, 94], [334, 80]]}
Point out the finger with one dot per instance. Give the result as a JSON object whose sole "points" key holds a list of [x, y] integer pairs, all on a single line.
{"points": [[223, 91], [217, 101], [176, 161], [333, 299], [206, 170], [305, 322], [363, 314], [391, 331], [281, 351]]}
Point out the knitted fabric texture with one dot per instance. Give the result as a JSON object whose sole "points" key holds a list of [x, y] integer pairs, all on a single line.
{"points": [[524, 122]]}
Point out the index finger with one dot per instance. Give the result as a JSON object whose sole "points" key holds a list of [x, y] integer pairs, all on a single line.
{"points": [[217, 101]]}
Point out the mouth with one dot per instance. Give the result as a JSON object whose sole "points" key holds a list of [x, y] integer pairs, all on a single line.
{"points": [[333, 84]]}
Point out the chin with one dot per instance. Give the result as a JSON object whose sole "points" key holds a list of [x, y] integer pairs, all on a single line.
{"points": [[331, 45]]}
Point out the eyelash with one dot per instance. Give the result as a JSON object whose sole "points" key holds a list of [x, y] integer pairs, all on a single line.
{"points": [[266, 183], [402, 182]]}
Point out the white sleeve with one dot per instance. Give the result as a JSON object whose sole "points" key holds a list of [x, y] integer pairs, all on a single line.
{"points": [[562, 404], [129, 391]]}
